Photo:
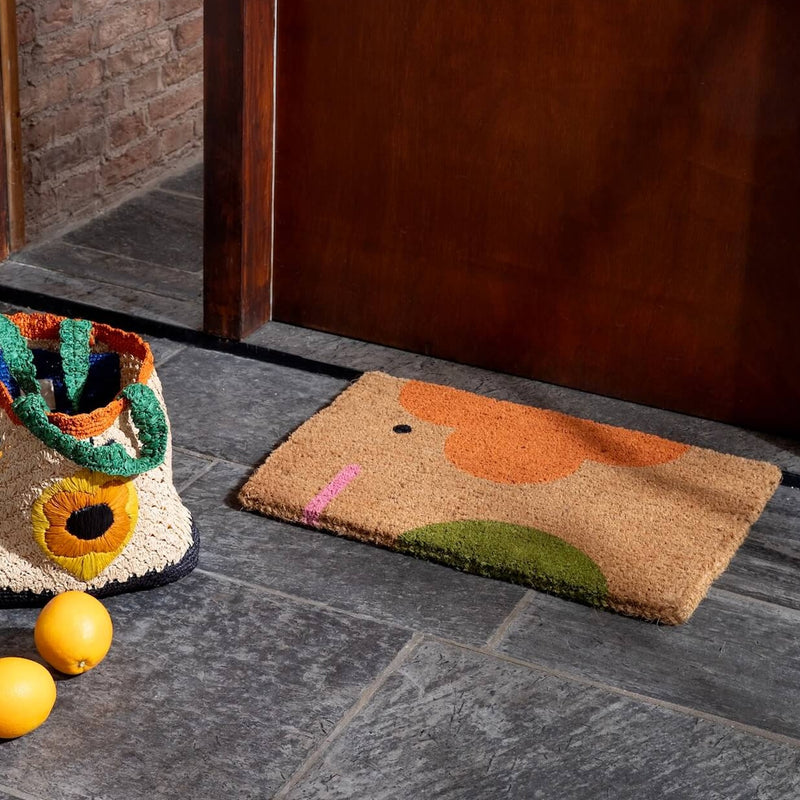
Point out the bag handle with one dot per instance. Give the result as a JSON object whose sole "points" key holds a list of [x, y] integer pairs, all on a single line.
{"points": [[75, 348], [18, 356], [111, 458]]}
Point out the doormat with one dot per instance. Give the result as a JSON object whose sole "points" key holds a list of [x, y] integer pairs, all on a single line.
{"points": [[607, 516]]}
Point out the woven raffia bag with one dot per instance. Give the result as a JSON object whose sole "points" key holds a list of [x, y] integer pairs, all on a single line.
{"points": [[86, 494]]}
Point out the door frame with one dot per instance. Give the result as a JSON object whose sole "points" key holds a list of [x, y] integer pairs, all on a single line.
{"points": [[12, 207], [239, 135]]}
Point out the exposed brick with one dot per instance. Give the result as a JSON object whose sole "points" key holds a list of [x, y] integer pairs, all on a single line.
{"points": [[93, 142], [83, 113], [188, 63], [61, 157], [76, 190], [49, 93], [176, 8], [107, 99], [176, 102], [55, 15], [177, 136], [71, 153], [88, 8], [114, 99], [40, 204], [69, 44], [126, 22], [146, 85], [85, 77], [30, 70], [137, 52], [26, 25], [128, 163], [188, 33], [126, 128], [37, 133]]}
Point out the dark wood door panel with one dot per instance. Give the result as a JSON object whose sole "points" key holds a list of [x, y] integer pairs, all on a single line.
{"points": [[592, 193]]}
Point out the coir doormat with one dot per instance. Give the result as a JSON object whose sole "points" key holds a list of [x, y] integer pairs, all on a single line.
{"points": [[605, 515]]}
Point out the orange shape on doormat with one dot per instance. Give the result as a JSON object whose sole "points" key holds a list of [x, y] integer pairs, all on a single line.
{"points": [[510, 443]]}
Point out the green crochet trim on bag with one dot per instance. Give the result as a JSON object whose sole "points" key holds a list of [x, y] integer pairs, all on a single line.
{"points": [[32, 410], [18, 356], [112, 459], [75, 349]]}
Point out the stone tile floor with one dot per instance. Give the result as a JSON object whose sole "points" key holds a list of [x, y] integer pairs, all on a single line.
{"points": [[294, 664], [145, 257]]}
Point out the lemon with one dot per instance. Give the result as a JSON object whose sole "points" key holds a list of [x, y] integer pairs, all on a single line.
{"points": [[73, 632], [27, 695]]}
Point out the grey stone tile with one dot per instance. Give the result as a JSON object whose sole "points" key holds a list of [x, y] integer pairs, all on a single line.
{"points": [[8, 308], [158, 227], [357, 577], [456, 725], [186, 466], [736, 657], [210, 690], [681, 427], [767, 565], [163, 349], [96, 265], [188, 182], [238, 408], [6, 795], [147, 305]]}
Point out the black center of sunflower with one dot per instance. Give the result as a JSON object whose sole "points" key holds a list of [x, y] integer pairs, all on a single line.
{"points": [[90, 522]]}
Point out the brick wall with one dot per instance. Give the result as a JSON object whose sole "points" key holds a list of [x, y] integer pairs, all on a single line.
{"points": [[110, 98]]}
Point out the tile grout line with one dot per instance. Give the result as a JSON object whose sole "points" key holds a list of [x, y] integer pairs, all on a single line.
{"points": [[249, 467], [167, 358], [196, 453], [218, 459], [103, 284], [687, 711], [16, 793], [178, 193], [503, 627], [303, 601], [789, 611], [196, 477], [75, 246], [196, 272], [493, 653], [363, 700], [55, 271]]}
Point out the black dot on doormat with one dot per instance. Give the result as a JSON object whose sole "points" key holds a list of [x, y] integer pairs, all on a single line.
{"points": [[402, 429]]}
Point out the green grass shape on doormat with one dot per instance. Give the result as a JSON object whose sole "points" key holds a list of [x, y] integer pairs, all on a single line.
{"points": [[513, 553]]}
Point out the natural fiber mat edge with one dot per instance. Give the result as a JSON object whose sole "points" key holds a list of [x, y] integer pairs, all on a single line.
{"points": [[604, 515]]}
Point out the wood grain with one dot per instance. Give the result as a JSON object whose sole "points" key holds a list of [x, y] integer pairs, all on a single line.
{"points": [[4, 244], [239, 81], [12, 208], [595, 196]]}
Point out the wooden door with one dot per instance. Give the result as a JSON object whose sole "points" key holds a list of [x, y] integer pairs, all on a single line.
{"points": [[593, 193]]}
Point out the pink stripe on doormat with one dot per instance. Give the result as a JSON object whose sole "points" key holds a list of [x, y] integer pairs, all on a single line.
{"points": [[342, 480]]}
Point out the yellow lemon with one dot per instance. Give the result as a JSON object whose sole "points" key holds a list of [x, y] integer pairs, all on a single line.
{"points": [[73, 632], [27, 695]]}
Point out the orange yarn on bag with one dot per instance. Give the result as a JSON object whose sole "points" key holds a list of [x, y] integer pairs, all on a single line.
{"points": [[82, 426]]}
